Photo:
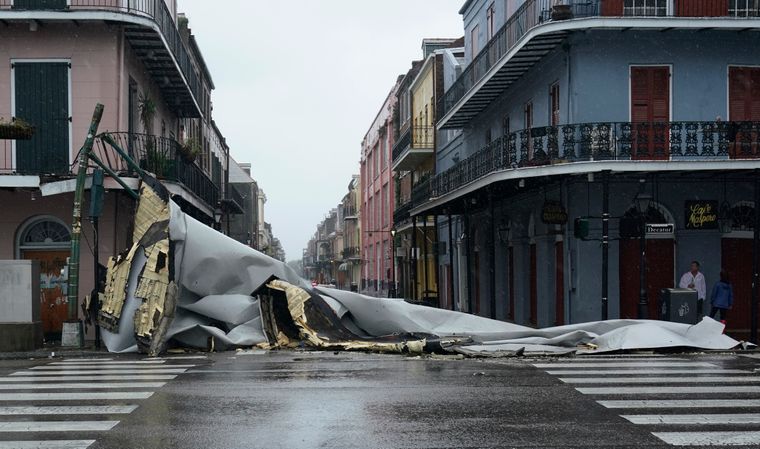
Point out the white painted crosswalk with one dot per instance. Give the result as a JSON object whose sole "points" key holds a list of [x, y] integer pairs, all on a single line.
{"points": [[32, 401], [707, 396]]}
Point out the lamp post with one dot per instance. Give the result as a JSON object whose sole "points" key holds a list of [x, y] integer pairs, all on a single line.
{"points": [[643, 202], [392, 289]]}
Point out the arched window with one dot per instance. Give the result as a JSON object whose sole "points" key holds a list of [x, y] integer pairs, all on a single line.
{"points": [[44, 233]]}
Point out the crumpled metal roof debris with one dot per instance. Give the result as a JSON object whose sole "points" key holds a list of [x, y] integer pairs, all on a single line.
{"points": [[186, 284]]}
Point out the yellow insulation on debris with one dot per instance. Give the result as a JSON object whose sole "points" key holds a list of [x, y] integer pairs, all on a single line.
{"points": [[152, 287], [116, 285], [150, 209], [297, 298]]}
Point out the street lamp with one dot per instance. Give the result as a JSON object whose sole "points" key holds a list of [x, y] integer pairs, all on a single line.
{"points": [[503, 232], [392, 289], [643, 203]]}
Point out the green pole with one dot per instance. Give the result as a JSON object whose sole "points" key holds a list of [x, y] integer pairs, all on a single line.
{"points": [[76, 225], [115, 177]]}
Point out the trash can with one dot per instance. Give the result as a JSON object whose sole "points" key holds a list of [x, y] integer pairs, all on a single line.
{"points": [[679, 305]]}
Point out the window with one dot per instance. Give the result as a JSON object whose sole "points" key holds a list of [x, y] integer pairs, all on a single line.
{"points": [[386, 205], [505, 125], [554, 104], [489, 137], [490, 20], [528, 115], [744, 8], [474, 41], [645, 7]]}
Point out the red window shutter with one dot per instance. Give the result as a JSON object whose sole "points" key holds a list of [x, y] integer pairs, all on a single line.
{"points": [[612, 8], [754, 94], [639, 95], [738, 92], [702, 8], [660, 94]]}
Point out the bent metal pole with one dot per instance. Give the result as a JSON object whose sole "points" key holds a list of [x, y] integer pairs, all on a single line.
{"points": [[76, 225]]}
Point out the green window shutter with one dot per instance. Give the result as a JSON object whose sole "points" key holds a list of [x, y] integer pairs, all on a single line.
{"points": [[42, 99]]}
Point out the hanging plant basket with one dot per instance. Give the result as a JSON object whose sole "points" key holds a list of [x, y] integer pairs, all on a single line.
{"points": [[16, 129]]}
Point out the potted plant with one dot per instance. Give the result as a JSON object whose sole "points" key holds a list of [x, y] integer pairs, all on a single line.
{"points": [[16, 129], [190, 149], [147, 107], [562, 12]]}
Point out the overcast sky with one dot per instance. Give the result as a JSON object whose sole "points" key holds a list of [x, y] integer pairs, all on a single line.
{"points": [[298, 84]]}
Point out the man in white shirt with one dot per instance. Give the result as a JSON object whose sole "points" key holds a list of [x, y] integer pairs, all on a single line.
{"points": [[694, 279]]}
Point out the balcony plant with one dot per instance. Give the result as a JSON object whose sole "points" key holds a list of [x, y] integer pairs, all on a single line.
{"points": [[562, 12], [147, 107], [190, 149], [16, 129]]}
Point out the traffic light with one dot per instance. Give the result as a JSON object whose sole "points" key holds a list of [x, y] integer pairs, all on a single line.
{"points": [[581, 228]]}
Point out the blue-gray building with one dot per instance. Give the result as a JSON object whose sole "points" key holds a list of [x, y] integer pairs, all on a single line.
{"points": [[646, 112]]}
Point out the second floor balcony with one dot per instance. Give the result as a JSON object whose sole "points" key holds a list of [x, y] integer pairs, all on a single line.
{"points": [[150, 28], [539, 27], [414, 147], [590, 147]]}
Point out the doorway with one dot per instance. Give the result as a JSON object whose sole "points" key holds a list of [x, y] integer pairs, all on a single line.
{"points": [[48, 241]]}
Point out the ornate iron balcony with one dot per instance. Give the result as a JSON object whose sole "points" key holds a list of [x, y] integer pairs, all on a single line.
{"points": [[533, 13], [620, 141], [163, 157], [402, 144]]}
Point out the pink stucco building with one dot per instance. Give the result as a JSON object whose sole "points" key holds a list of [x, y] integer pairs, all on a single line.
{"points": [[377, 193], [58, 59]]}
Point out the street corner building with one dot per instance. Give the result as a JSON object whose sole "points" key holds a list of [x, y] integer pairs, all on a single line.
{"points": [[582, 151], [142, 62]]}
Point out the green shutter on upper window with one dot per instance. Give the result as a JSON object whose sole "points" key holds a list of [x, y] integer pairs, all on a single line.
{"points": [[42, 99], [39, 4]]}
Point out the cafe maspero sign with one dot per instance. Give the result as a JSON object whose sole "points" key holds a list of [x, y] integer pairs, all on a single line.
{"points": [[701, 214]]}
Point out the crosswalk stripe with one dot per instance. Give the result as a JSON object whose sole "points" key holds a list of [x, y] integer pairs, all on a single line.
{"points": [[82, 386], [83, 378], [68, 410], [100, 372], [56, 426], [624, 365], [111, 395], [609, 372], [681, 403], [662, 380], [105, 367], [108, 362], [671, 390], [735, 418], [52, 444], [735, 438], [594, 359]]}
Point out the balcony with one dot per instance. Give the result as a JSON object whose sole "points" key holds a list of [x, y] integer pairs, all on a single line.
{"points": [[148, 26], [163, 157], [539, 26], [350, 213], [630, 146], [419, 146], [233, 202], [401, 211], [352, 253]]}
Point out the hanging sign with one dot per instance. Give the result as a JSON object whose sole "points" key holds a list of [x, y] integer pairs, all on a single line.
{"points": [[701, 214], [553, 213], [660, 229]]}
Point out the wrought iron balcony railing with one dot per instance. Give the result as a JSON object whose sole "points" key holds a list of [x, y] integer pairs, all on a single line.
{"points": [[403, 142], [163, 157], [351, 252], [619, 141], [155, 10], [423, 137], [533, 13], [401, 211], [350, 213]]}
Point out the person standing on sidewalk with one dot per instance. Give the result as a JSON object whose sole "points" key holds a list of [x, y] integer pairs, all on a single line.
{"points": [[694, 279], [722, 297]]}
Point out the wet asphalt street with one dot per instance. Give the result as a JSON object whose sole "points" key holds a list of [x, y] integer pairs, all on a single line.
{"points": [[352, 400]]}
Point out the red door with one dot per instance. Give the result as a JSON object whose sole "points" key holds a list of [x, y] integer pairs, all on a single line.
{"points": [[660, 274], [702, 8], [54, 306], [650, 112], [559, 283], [744, 106], [612, 8], [736, 255], [533, 286]]}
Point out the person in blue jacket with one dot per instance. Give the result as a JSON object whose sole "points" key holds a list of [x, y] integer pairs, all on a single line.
{"points": [[722, 297]]}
